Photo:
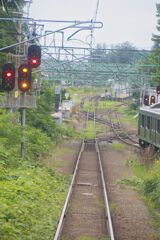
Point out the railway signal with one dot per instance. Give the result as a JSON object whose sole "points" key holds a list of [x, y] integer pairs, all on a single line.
{"points": [[158, 89], [146, 100], [8, 77], [152, 100], [24, 77], [34, 56]]}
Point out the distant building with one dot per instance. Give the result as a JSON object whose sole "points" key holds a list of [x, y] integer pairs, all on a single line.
{"points": [[66, 108]]}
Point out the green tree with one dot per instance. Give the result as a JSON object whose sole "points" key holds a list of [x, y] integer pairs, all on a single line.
{"points": [[8, 29]]}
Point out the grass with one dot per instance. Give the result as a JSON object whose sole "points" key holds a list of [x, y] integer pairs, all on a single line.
{"points": [[77, 93], [118, 146], [86, 238], [100, 105], [147, 182], [113, 207], [54, 160], [128, 116], [31, 201], [91, 238], [138, 169], [90, 131]]}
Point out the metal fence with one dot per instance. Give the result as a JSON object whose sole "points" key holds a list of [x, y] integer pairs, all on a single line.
{"points": [[22, 101]]}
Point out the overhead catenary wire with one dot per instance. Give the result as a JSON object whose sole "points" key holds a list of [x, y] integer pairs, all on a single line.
{"points": [[76, 24]]}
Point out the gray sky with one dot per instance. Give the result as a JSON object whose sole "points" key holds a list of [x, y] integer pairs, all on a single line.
{"points": [[124, 20]]}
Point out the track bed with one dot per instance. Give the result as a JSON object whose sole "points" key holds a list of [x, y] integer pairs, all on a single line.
{"points": [[86, 212]]}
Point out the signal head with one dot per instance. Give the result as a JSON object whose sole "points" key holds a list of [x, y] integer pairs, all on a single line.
{"points": [[152, 100], [146, 100], [8, 77], [158, 89], [34, 56], [24, 77]]}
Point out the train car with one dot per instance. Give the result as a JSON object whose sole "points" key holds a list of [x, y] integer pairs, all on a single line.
{"points": [[149, 126]]}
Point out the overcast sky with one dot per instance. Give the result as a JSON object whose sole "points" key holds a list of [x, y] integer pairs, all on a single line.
{"points": [[124, 20]]}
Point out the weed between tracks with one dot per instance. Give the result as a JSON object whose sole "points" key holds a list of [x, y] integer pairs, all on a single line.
{"points": [[100, 105], [118, 146], [91, 238]]}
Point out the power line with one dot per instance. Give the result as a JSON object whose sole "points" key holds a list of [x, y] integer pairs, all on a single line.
{"points": [[77, 24]]}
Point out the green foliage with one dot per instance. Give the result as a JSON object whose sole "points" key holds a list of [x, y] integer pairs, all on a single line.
{"points": [[134, 182], [31, 195], [117, 55], [31, 200], [37, 143], [41, 117], [151, 185], [8, 30], [9, 140], [66, 130], [129, 115], [147, 183]]}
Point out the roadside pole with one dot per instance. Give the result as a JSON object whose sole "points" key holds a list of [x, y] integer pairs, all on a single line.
{"points": [[23, 125]]}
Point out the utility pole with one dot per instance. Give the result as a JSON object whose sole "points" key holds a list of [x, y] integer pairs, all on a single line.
{"points": [[23, 112]]}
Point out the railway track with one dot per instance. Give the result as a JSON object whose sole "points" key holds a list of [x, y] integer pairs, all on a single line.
{"points": [[114, 123], [121, 133], [86, 211]]}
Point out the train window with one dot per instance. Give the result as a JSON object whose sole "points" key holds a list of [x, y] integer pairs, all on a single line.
{"points": [[158, 126], [142, 120], [148, 122]]}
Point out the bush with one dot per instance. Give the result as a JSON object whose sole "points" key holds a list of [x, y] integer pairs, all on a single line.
{"points": [[31, 201]]}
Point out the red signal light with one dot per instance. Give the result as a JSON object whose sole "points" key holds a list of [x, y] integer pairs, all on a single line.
{"points": [[34, 56], [8, 77], [34, 61], [8, 74]]}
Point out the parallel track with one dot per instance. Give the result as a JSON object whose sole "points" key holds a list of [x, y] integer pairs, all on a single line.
{"points": [[80, 215]]}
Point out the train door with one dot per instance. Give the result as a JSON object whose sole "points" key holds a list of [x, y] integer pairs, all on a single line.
{"points": [[148, 128], [153, 129], [142, 124], [158, 132]]}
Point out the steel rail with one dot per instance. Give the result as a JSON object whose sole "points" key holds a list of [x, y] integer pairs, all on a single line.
{"points": [[62, 217], [112, 125], [121, 127], [115, 127], [122, 139], [105, 195]]}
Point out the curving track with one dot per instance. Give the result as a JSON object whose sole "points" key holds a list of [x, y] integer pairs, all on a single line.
{"points": [[114, 123], [121, 133], [86, 211]]}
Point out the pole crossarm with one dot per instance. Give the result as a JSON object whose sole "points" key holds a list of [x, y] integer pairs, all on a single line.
{"points": [[53, 21]]}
